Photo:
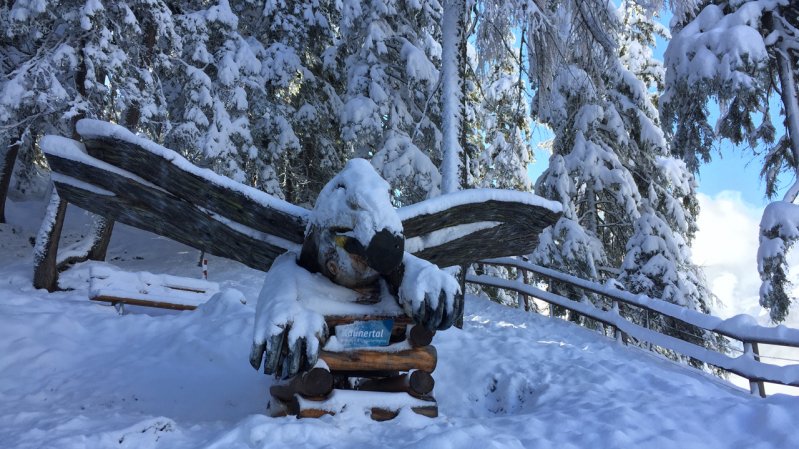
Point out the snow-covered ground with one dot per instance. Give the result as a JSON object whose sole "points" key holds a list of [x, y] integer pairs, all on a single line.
{"points": [[75, 374]]}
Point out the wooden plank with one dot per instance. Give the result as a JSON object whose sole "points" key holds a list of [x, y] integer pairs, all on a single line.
{"points": [[423, 358], [161, 304], [159, 212], [223, 200]]}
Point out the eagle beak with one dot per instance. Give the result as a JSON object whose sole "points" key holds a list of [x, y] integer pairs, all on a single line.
{"points": [[385, 250]]}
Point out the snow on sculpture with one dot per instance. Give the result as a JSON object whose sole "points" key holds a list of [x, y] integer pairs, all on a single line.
{"points": [[353, 252], [353, 263]]}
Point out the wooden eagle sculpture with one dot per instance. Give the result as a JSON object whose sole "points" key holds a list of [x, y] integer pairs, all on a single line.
{"points": [[353, 247]]}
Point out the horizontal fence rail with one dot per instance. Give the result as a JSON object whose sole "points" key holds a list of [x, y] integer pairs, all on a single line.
{"points": [[742, 327]]}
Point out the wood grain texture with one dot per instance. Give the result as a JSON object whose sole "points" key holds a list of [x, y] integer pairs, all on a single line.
{"points": [[180, 209], [161, 213], [197, 190], [424, 358], [418, 384]]}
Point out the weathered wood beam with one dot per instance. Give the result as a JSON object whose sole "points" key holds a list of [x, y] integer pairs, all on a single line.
{"points": [[159, 212], [523, 215], [220, 199], [508, 239]]}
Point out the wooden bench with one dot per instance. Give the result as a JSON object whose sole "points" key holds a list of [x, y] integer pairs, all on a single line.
{"points": [[147, 289]]}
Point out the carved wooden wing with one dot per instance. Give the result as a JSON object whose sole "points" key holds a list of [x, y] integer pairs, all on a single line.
{"points": [[129, 179], [119, 175], [470, 225]]}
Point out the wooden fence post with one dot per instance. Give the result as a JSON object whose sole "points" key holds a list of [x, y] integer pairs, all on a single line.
{"points": [[617, 334], [752, 352], [521, 300]]}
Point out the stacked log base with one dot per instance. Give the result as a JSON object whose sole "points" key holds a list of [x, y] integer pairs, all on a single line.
{"points": [[381, 381]]}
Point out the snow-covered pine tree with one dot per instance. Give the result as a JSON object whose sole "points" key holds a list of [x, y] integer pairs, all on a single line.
{"points": [[208, 97], [297, 115], [389, 51], [610, 166], [657, 261], [585, 173], [743, 72], [502, 141]]}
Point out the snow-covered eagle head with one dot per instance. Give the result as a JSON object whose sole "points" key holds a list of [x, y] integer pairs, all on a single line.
{"points": [[354, 233]]}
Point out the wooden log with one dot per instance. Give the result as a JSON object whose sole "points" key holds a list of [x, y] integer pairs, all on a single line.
{"points": [[318, 382], [420, 336], [6, 170], [382, 414], [431, 411], [223, 200], [314, 413], [418, 384], [156, 211], [492, 210], [423, 358], [278, 408], [335, 320], [377, 413], [282, 393], [315, 384], [45, 269]]}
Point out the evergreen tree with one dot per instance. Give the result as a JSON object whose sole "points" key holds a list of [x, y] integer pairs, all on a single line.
{"points": [[390, 52], [757, 58]]}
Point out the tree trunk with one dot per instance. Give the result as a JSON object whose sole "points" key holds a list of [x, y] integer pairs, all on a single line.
{"points": [[45, 273], [452, 30], [5, 174], [102, 237]]}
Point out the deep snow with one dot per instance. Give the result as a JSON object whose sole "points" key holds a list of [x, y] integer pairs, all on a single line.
{"points": [[75, 374]]}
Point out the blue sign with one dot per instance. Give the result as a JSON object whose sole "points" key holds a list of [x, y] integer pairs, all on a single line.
{"points": [[364, 334]]}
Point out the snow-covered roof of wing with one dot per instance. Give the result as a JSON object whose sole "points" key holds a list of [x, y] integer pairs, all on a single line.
{"points": [[357, 198], [89, 128], [463, 197]]}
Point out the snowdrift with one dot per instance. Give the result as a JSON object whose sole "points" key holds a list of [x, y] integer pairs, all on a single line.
{"points": [[75, 374]]}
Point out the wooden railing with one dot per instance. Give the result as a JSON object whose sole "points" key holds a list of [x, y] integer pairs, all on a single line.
{"points": [[741, 328]]}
